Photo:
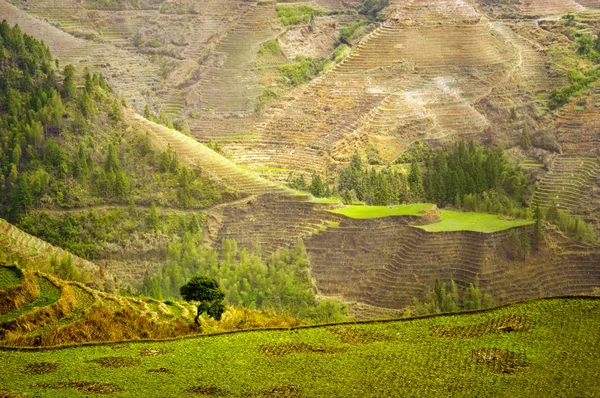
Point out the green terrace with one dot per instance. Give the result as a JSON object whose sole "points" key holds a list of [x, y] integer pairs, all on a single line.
{"points": [[451, 221]]}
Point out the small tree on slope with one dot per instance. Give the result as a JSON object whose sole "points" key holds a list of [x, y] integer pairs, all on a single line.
{"points": [[207, 292]]}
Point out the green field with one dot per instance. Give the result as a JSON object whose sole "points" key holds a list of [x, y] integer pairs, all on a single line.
{"points": [[9, 276], [382, 211], [477, 222], [451, 220], [542, 348]]}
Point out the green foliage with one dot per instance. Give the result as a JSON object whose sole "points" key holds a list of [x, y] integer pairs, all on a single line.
{"points": [[477, 175], [317, 187], [303, 70], [378, 188], [372, 8], [525, 140], [68, 89], [280, 283], [572, 225], [468, 176], [349, 33], [297, 182], [69, 147], [206, 291], [292, 15], [266, 96], [448, 297], [270, 48], [341, 52], [579, 81]]}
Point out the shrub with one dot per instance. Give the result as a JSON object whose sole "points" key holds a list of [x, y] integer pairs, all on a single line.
{"points": [[289, 15]]}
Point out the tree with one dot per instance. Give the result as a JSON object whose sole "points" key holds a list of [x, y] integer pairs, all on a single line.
{"points": [[152, 220], [317, 187], [68, 87], [525, 140], [415, 181], [207, 292]]}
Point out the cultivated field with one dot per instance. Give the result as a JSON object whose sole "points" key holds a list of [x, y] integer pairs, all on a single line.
{"points": [[40, 310], [539, 348]]}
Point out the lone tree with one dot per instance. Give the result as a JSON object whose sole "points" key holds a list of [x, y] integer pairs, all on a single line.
{"points": [[207, 292]]}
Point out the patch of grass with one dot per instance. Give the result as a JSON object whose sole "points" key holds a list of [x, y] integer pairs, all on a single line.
{"points": [[49, 294], [211, 391], [292, 15], [303, 70], [325, 200], [270, 48], [383, 211], [476, 222], [341, 52], [10, 276], [562, 341], [348, 33], [84, 387]]}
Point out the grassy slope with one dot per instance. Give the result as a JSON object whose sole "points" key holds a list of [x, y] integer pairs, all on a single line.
{"points": [[478, 222], [382, 211], [556, 345], [451, 220]]}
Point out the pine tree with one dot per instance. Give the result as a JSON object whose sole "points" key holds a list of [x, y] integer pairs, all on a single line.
{"points": [[415, 181], [112, 160], [86, 104], [317, 188], [552, 213], [21, 200], [153, 220], [525, 140], [68, 88], [525, 243], [147, 113]]}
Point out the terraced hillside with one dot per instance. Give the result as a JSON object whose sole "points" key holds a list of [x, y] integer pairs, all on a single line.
{"points": [[40, 310], [54, 312], [381, 264], [149, 55], [433, 71], [386, 263], [116, 64], [516, 350], [17, 241], [568, 184], [215, 165], [268, 222]]}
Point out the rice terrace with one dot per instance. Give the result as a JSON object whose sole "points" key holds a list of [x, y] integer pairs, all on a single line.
{"points": [[321, 198]]}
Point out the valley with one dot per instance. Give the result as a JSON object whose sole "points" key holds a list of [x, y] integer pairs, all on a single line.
{"points": [[326, 162]]}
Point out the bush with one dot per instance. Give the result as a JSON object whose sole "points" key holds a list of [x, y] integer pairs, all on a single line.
{"points": [[373, 7], [303, 70], [347, 33], [289, 15]]}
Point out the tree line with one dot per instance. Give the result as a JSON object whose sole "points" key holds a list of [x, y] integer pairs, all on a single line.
{"points": [[467, 176], [280, 282]]}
